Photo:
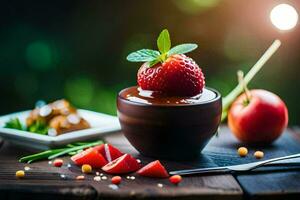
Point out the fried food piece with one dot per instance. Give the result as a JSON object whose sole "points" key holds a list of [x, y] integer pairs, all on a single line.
{"points": [[72, 122], [60, 116]]}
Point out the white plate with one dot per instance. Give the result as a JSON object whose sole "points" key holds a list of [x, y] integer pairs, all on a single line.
{"points": [[100, 124]]}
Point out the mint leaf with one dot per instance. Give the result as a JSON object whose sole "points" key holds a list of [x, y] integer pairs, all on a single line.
{"points": [[182, 48], [164, 42], [154, 62], [143, 55]]}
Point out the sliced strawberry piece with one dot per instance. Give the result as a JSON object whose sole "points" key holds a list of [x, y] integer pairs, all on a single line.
{"points": [[154, 169], [89, 156], [122, 165], [109, 152]]}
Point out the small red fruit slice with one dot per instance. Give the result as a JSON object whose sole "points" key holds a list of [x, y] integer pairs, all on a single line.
{"points": [[58, 162], [175, 179], [109, 152], [116, 180], [154, 169], [89, 156], [122, 165]]}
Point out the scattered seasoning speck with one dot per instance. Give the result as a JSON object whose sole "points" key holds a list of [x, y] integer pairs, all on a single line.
{"points": [[160, 185], [97, 173], [97, 178], [127, 177], [104, 178], [62, 176], [132, 177], [138, 160], [101, 174], [26, 168], [80, 177], [113, 186], [69, 165], [50, 162]]}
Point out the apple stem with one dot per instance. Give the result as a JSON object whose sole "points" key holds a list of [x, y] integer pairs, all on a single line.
{"points": [[227, 100], [240, 75]]}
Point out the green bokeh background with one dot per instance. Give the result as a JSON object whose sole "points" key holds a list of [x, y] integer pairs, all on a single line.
{"points": [[77, 49]]}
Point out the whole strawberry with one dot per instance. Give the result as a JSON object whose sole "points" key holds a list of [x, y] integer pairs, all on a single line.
{"points": [[169, 70]]}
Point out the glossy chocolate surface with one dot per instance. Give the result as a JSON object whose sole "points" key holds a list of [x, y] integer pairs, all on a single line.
{"points": [[167, 130], [138, 95]]}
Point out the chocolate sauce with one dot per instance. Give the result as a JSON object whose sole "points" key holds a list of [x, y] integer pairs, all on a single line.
{"points": [[136, 94]]}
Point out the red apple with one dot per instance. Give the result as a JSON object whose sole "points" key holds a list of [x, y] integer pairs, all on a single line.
{"points": [[260, 120]]}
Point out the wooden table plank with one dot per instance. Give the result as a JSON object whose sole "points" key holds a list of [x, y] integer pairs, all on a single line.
{"points": [[44, 179], [196, 187], [43, 174]]}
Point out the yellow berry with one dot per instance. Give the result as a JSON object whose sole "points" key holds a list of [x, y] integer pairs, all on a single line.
{"points": [[258, 154], [242, 151], [20, 174], [86, 168]]}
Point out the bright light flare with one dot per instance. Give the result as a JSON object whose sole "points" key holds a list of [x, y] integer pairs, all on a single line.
{"points": [[284, 17]]}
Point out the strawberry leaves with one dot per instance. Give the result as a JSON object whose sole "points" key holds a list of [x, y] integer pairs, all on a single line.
{"points": [[164, 46], [143, 55], [164, 41], [182, 48]]}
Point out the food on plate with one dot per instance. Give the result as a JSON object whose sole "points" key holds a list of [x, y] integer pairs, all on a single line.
{"points": [[154, 169], [258, 154], [51, 119], [122, 165], [175, 179], [242, 151]]}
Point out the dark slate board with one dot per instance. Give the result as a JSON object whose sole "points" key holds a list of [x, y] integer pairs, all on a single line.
{"points": [[267, 183]]}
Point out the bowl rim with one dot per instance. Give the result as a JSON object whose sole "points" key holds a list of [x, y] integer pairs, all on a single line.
{"points": [[216, 99]]}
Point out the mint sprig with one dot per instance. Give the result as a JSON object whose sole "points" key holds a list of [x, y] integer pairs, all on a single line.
{"points": [[143, 55], [164, 41], [164, 46]]}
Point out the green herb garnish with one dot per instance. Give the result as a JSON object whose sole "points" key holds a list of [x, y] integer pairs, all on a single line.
{"points": [[54, 153], [164, 46], [14, 123], [39, 127]]}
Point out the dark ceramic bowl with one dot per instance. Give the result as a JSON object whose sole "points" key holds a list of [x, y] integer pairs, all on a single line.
{"points": [[174, 132]]}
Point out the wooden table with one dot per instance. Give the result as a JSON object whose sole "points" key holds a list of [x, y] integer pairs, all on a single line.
{"points": [[44, 181]]}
